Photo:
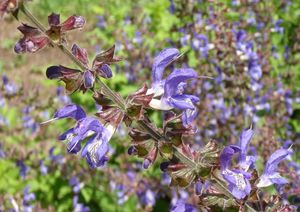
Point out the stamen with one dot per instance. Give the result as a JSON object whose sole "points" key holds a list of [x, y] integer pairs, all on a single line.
{"points": [[240, 181]]}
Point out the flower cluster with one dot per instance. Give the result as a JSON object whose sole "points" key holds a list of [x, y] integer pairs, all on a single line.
{"points": [[75, 79], [34, 39], [96, 147], [238, 178]]}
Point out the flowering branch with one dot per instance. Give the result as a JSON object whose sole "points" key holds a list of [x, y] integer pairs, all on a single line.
{"points": [[108, 92], [230, 184]]}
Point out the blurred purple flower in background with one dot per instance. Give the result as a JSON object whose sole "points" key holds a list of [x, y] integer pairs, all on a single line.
{"points": [[2, 153], [9, 87], [200, 43], [43, 168], [27, 200], [101, 22], [147, 198], [23, 169], [277, 27], [75, 184], [62, 97], [79, 207], [181, 206]]}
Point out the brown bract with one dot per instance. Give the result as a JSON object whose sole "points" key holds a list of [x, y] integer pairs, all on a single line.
{"points": [[7, 6]]}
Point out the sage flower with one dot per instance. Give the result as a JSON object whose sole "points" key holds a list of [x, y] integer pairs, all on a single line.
{"points": [[238, 178], [96, 148], [172, 88], [270, 175]]}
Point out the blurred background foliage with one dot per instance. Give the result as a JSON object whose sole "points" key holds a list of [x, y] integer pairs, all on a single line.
{"points": [[140, 29]]}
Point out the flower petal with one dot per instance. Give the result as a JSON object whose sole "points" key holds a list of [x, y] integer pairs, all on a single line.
{"points": [[161, 61], [183, 102], [87, 125], [96, 148], [188, 116], [270, 176], [89, 79], [74, 144], [104, 71], [66, 134], [275, 159], [31, 44], [245, 138], [176, 77], [160, 104], [70, 111], [227, 154]]}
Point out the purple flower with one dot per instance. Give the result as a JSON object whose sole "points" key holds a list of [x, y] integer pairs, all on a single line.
{"points": [[161, 61], [137, 37], [2, 101], [200, 43], [23, 169], [78, 80], [2, 153], [288, 100], [277, 27], [43, 168], [97, 147], [201, 188], [69, 111], [270, 175], [251, 18], [235, 3], [238, 179], [147, 198], [61, 97], [101, 22], [79, 207], [9, 87], [165, 179], [254, 69], [27, 199], [3, 121], [28, 121], [98, 136], [172, 7], [246, 161], [32, 41], [76, 185], [122, 193], [55, 158], [181, 206], [172, 88], [184, 39]]}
